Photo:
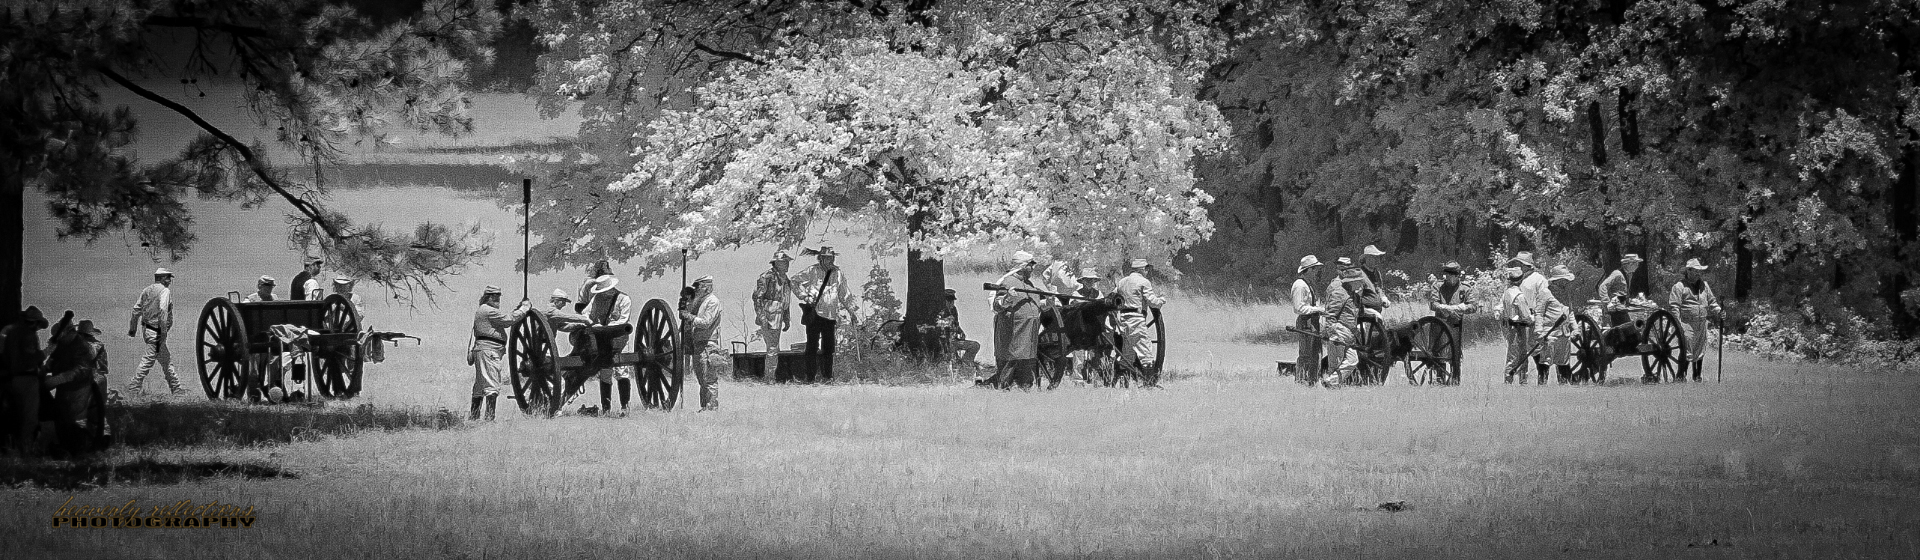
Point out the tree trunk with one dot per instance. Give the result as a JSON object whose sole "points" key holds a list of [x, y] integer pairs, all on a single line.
{"points": [[13, 239], [1904, 215], [1597, 125], [926, 295], [1629, 124], [1742, 266]]}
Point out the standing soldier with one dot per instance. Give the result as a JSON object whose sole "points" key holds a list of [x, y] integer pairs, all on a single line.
{"points": [[824, 297], [1341, 320], [1307, 312], [152, 317], [701, 324], [562, 318], [306, 284], [262, 291], [1018, 344], [607, 307], [1545, 309], [1614, 292], [1374, 280], [1693, 304], [772, 306], [1137, 296], [21, 363], [1517, 313], [83, 383], [600, 268], [1560, 346], [1451, 301], [489, 342]]}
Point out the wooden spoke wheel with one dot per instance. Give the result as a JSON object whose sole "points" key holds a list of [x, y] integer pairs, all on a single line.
{"points": [[1159, 342], [533, 366], [220, 347], [340, 363], [662, 367], [1435, 357], [1663, 347], [1590, 356], [1370, 342]]}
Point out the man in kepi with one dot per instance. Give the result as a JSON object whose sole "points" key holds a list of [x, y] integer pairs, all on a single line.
{"points": [[1306, 313], [1451, 301], [489, 342], [151, 319], [1137, 296], [824, 297], [306, 284], [1693, 303], [262, 291], [773, 307], [701, 326]]}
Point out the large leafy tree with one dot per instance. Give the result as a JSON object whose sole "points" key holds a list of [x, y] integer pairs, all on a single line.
{"points": [[319, 73], [1777, 137], [943, 127]]}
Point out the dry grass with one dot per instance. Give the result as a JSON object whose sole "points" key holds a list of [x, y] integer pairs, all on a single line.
{"points": [[1773, 462]]}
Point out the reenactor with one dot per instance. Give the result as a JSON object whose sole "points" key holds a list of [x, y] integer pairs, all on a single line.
{"points": [[490, 326], [822, 293], [262, 291], [78, 381], [1517, 313], [1307, 313], [1451, 301], [1693, 303], [1374, 281], [1341, 321], [1614, 291], [152, 317], [1017, 321], [1546, 310], [1136, 297], [773, 305], [306, 284], [701, 325], [1560, 346], [22, 361], [954, 343], [607, 306]]}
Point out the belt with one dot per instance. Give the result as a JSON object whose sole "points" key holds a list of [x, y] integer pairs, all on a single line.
{"points": [[490, 339]]}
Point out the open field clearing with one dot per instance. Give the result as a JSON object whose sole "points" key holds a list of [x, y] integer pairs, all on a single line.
{"points": [[1777, 461]]}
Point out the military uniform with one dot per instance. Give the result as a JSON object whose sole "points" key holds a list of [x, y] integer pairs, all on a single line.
{"points": [[1547, 311], [1137, 295], [1517, 313], [1340, 322], [1451, 304], [21, 363], [490, 326], [702, 329], [1694, 306], [1306, 317], [154, 313], [773, 308], [824, 289], [1018, 343]]}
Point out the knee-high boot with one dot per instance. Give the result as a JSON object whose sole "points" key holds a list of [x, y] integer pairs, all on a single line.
{"points": [[709, 398], [1542, 368], [1565, 373], [626, 394], [606, 397], [474, 413], [491, 400]]}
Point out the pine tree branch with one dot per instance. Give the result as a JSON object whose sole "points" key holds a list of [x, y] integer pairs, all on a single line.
{"points": [[254, 163]]}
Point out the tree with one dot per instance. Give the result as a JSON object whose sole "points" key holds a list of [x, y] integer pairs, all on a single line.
{"points": [[318, 71], [963, 126]]}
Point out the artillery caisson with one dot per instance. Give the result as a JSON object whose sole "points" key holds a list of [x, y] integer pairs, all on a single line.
{"points": [[544, 379], [235, 346]]}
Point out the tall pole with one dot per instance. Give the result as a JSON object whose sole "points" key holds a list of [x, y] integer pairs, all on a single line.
{"points": [[526, 236], [1720, 361], [683, 268]]}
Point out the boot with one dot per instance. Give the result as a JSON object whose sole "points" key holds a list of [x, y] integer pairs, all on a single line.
{"points": [[1565, 373], [1510, 379], [474, 413], [1680, 372], [1542, 368], [709, 398], [1696, 370], [626, 393], [491, 400], [606, 398]]}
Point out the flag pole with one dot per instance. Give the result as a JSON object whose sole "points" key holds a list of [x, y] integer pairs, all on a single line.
{"points": [[526, 236]]}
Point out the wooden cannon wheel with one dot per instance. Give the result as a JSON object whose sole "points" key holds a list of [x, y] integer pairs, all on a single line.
{"points": [[1371, 344], [1663, 347], [661, 367], [533, 366], [1435, 357], [339, 364], [1590, 355], [220, 347]]}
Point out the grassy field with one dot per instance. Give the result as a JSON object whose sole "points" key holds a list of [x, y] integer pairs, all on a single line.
{"points": [[1777, 461]]}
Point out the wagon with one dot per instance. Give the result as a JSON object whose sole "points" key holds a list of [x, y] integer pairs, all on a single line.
{"points": [[233, 342], [1654, 335], [543, 379]]}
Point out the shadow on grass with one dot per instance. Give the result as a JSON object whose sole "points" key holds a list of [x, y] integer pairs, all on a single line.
{"points": [[62, 475], [161, 424]]}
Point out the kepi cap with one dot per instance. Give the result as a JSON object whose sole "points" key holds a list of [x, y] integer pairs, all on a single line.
{"points": [[268, 280], [708, 279], [1352, 275], [491, 291]]}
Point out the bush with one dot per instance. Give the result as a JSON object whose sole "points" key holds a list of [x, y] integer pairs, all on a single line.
{"points": [[1803, 333]]}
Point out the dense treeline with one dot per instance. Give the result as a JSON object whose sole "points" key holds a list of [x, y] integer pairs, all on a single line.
{"points": [[1776, 140]]}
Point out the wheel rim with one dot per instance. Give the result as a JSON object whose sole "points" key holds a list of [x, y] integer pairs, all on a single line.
{"points": [[1434, 347], [1667, 347], [532, 365], [220, 348], [1159, 341], [339, 366], [1586, 349], [1371, 347], [661, 363]]}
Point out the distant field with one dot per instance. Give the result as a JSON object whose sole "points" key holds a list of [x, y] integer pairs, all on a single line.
{"points": [[1777, 461]]}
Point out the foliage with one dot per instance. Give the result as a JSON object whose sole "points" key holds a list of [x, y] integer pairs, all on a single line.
{"points": [[1800, 333], [948, 127], [881, 305], [318, 71]]}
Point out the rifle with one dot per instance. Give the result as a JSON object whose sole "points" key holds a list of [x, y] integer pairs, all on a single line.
{"points": [[1544, 335], [989, 286]]}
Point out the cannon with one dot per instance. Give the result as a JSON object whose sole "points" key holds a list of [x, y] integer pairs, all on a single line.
{"points": [[1080, 324], [235, 343], [1653, 334], [544, 380]]}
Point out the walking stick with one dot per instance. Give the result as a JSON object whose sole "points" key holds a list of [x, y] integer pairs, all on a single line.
{"points": [[1720, 359], [526, 236]]}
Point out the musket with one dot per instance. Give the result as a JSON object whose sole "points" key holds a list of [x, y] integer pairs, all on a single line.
{"points": [[997, 287], [1544, 335]]}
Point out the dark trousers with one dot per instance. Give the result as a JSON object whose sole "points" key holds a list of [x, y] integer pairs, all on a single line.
{"points": [[21, 421], [821, 338]]}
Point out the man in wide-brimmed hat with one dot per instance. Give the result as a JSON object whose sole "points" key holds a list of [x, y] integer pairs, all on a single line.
{"points": [[1694, 304], [1306, 317], [1559, 345], [607, 310], [1137, 295], [1451, 301], [701, 324], [151, 319], [490, 327], [825, 300], [1517, 315], [1016, 330], [1615, 290], [773, 306], [1546, 309], [21, 363]]}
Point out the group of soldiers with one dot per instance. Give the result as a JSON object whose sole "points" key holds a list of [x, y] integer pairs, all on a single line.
{"points": [[1021, 299], [1537, 326], [598, 324]]}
